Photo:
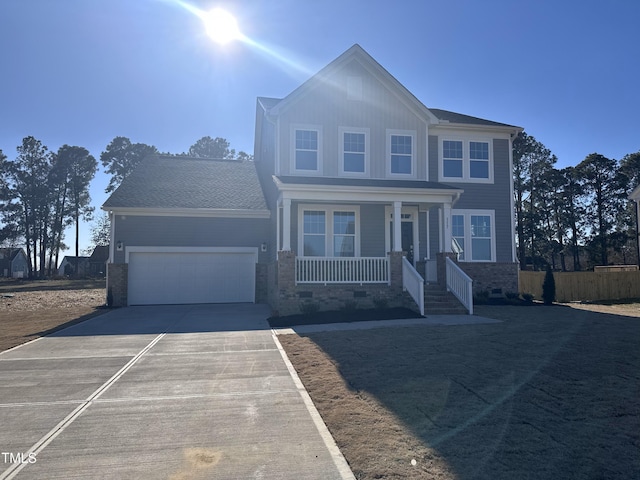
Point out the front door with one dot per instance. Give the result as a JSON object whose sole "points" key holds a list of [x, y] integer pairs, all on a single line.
{"points": [[408, 232], [406, 235]]}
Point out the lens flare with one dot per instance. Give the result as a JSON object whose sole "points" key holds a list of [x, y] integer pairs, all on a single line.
{"points": [[221, 26]]}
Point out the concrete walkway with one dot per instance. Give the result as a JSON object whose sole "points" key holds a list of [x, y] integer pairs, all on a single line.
{"points": [[430, 320], [170, 392]]}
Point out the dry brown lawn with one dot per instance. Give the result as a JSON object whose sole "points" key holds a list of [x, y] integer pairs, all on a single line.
{"points": [[31, 309], [550, 393]]}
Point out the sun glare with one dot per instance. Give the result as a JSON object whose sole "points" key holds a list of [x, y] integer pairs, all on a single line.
{"points": [[221, 26]]}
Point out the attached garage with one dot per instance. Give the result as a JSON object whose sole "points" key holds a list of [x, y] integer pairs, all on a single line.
{"points": [[191, 275]]}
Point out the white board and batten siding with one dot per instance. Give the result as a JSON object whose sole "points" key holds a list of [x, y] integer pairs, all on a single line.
{"points": [[183, 275]]}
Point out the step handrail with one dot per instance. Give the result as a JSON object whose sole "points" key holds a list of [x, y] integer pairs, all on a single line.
{"points": [[460, 284], [413, 283]]}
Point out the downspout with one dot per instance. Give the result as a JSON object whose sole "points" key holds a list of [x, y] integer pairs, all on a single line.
{"points": [[514, 255], [638, 229]]}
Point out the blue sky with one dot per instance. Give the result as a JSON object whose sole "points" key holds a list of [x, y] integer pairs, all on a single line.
{"points": [[81, 72]]}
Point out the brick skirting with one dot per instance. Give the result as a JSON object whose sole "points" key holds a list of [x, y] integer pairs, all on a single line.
{"points": [[290, 298], [117, 283]]}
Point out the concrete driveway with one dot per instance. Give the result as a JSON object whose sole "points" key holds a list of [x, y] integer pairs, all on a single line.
{"points": [[171, 392]]}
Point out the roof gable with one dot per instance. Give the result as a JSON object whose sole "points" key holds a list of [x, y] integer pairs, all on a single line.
{"points": [[326, 77]]}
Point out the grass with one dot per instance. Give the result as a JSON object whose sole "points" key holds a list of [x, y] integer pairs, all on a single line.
{"points": [[10, 285], [32, 309], [552, 392]]}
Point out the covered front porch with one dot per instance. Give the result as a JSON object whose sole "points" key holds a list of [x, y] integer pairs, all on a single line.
{"points": [[344, 238]]}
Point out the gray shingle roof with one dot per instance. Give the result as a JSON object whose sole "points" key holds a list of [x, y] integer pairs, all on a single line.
{"points": [[163, 181], [454, 117], [364, 182]]}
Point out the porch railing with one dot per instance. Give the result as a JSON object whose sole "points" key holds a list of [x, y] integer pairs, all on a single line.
{"points": [[413, 283], [460, 284], [325, 270]]}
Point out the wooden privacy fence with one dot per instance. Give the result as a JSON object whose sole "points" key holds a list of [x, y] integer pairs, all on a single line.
{"points": [[585, 286]]}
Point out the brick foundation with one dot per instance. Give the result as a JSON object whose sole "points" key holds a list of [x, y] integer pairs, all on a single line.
{"points": [[290, 298], [489, 276], [117, 282]]}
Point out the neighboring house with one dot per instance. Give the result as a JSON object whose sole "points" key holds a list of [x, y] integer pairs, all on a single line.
{"points": [[70, 263], [338, 160], [98, 261], [13, 263]]}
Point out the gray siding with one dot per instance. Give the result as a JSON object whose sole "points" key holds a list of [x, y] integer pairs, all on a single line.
{"points": [[434, 231], [328, 106], [372, 233], [19, 264], [158, 231], [434, 164], [495, 196]]}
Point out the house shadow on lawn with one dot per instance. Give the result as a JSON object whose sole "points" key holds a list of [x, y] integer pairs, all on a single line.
{"points": [[552, 392]]}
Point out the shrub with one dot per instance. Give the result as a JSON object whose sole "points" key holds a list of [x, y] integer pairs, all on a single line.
{"points": [[527, 297], [511, 295], [481, 298], [109, 298], [308, 308], [380, 303], [349, 306], [549, 287]]}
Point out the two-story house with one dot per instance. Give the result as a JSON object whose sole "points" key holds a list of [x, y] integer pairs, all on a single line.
{"points": [[337, 162]]}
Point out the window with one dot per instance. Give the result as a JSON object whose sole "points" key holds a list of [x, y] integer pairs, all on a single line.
{"points": [[466, 161], [314, 233], [354, 152], [329, 231], [401, 154], [481, 238], [306, 150], [344, 234], [474, 232], [452, 158], [457, 232], [478, 159]]}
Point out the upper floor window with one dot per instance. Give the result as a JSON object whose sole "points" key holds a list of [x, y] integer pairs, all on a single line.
{"points": [[466, 161], [354, 151], [307, 152], [401, 153], [479, 159], [452, 158]]}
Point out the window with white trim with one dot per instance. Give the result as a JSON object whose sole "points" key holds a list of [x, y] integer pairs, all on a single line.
{"points": [[401, 153], [466, 161], [354, 151], [479, 160], [457, 232], [329, 231], [306, 151], [314, 233], [344, 234], [474, 230], [452, 158]]}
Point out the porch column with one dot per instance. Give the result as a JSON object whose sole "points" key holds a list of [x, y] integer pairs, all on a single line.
{"points": [[446, 227], [397, 224], [286, 224]]}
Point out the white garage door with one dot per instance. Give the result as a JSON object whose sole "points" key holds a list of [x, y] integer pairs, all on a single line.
{"points": [[191, 277]]}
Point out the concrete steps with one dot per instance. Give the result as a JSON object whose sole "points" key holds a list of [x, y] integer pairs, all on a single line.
{"points": [[437, 301]]}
